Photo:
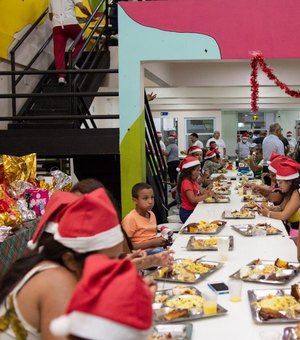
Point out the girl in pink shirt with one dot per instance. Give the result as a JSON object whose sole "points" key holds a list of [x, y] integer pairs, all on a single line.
{"points": [[188, 187]]}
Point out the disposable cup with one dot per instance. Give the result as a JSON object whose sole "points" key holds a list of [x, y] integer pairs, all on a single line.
{"points": [[235, 290], [210, 302], [241, 191], [260, 232], [223, 248]]}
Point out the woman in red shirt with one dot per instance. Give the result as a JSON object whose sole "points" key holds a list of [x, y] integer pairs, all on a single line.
{"points": [[188, 187]]}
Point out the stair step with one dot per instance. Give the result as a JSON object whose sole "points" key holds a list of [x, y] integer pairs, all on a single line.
{"points": [[41, 111], [43, 125]]}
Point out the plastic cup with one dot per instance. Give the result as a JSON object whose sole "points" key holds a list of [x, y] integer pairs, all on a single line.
{"points": [[235, 290], [210, 302], [223, 248], [249, 192], [241, 191]]}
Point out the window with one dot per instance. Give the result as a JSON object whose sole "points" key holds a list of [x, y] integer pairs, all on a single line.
{"points": [[203, 127]]}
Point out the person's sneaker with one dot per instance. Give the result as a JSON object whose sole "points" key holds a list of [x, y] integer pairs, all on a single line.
{"points": [[62, 81]]}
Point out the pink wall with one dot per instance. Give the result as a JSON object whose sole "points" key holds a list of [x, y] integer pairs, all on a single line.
{"points": [[238, 26]]}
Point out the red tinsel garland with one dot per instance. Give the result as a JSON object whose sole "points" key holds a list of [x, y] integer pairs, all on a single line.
{"points": [[258, 59]]}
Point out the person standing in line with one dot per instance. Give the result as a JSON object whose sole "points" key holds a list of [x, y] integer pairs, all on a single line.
{"points": [[292, 141], [65, 26], [243, 147], [220, 143], [172, 159], [161, 143], [272, 143], [285, 143], [259, 140], [195, 140]]}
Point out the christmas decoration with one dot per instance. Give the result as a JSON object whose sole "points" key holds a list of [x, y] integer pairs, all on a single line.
{"points": [[259, 60]]}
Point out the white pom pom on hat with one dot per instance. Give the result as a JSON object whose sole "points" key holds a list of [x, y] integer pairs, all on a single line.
{"points": [[60, 326]]}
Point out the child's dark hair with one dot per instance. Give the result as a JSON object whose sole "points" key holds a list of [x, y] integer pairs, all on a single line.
{"points": [[139, 187], [185, 173]]}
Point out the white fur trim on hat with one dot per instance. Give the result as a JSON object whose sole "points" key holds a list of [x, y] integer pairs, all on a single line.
{"points": [[211, 156], [272, 169], [190, 164], [103, 240], [93, 327], [50, 227], [287, 178]]}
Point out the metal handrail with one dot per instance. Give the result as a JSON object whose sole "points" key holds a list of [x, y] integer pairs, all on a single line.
{"points": [[63, 117], [59, 94], [13, 59]]}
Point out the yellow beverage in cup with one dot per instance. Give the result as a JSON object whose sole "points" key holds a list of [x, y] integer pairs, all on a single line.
{"points": [[210, 308], [235, 299]]}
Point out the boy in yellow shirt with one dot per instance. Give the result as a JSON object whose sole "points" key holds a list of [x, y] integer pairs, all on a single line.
{"points": [[140, 224]]}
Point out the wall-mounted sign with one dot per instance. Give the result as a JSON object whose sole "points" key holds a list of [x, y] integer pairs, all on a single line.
{"points": [[164, 113]]}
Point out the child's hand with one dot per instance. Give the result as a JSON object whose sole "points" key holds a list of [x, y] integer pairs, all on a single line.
{"points": [[158, 242], [263, 210], [164, 259], [136, 254]]}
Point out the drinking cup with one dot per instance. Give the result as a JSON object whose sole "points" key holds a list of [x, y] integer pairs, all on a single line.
{"points": [[223, 248], [210, 302], [235, 290], [260, 232]]}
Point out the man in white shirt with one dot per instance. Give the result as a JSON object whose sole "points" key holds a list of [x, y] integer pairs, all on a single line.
{"points": [[220, 143], [65, 26], [195, 140], [272, 143], [292, 141], [243, 147]]}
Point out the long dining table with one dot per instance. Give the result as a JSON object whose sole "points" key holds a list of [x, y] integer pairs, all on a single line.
{"points": [[238, 322]]}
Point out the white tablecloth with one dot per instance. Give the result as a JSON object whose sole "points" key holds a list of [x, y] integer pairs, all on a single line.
{"points": [[238, 323], [232, 175]]}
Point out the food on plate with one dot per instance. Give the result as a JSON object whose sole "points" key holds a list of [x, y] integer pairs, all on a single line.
{"points": [[161, 298], [281, 264], [251, 205], [165, 336], [204, 243], [243, 213], [182, 290], [186, 302], [185, 270], [204, 226], [295, 292], [268, 313], [176, 314], [218, 199]]}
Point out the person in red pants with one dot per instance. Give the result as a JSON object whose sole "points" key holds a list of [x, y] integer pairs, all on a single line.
{"points": [[65, 26]]}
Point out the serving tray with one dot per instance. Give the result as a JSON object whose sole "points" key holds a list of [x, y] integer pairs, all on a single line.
{"points": [[178, 332], [177, 274], [195, 311], [249, 230], [228, 214], [194, 239], [256, 273], [258, 294], [185, 229]]}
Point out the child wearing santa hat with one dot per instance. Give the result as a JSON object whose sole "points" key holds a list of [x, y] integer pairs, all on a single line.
{"points": [[188, 187], [211, 163], [102, 307], [33, 296], [287, 176]]}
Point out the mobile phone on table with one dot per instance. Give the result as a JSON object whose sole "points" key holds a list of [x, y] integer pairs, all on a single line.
{"points": [[219, 287]]}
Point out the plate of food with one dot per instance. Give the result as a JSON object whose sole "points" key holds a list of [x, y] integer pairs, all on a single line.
{"points": [[265, 271], [291, 333], [206, 242], [251, 205], [186, 271], [217, 199], [172, 332], [238, 214], [203, 227], [180, 304], [255, 198], [275, 305], [253, 229], [221, 190]]}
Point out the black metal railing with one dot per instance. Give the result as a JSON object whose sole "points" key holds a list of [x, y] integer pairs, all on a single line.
{"points": [[73, 91]]}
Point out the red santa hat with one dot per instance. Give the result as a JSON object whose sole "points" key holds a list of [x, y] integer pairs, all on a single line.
{"points": [[287, 170], [159, 134], [188, 162], [194, 149], [275, 162], [245, 136], [90, 223], [289, 134], [110, 301], [49, 221], [210, 154], [273, 156]]}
